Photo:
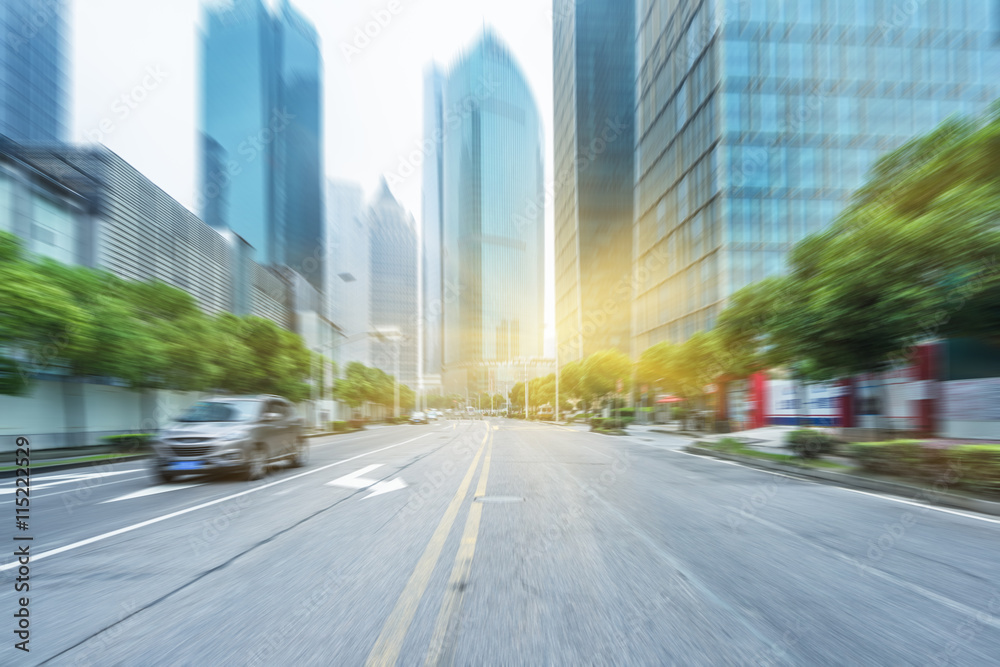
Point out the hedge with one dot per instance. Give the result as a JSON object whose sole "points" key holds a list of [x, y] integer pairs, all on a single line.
{"points": [[608, 423], [810, 444], [972, 467]]}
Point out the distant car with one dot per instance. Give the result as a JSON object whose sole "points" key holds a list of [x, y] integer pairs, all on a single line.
{"points": [[418, 418], [240, 434]]}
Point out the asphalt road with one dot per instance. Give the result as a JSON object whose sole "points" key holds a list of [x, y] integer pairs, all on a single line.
{"points": [[511, 543]]}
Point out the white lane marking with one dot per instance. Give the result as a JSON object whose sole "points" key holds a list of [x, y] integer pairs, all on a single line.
{"points": [[77, 478], [76, 475], [356, 481], [281, 493], [74, 489], [833, 485], [151, 491], [171, 515]]}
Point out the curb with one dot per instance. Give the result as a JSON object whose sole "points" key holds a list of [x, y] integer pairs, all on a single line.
{"points": [[328, 433], [37, 469], [910, 492], [613, 434], [682, 434]]}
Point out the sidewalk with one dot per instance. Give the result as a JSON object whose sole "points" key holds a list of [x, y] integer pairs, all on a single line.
{"points": [[767, 439]]}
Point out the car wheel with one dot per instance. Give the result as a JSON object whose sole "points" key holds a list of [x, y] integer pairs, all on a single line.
{"points": [[301, 455], [164, 476], [256, 464]]}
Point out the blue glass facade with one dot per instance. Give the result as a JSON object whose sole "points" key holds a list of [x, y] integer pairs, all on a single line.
{"points": [[594, 102], [757, 120], [262, 167], [493, 201], [432, 224], [393, 284], [33, 66]]}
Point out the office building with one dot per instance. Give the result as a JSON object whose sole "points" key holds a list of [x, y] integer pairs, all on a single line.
{"points": [[432, 252], [493, 203], [755, 121], [262, 133], [348, 288], [393, 282], [88, 207], [34, 104], [594, 104]]}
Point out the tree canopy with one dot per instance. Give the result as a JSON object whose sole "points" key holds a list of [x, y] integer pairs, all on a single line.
{"points": [[86, 322]]}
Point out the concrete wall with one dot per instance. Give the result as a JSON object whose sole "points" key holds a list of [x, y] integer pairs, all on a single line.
{"points": [[970, 409], [57, 414]]}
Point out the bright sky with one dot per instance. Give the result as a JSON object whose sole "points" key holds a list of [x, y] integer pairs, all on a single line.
{"points": [[373, 102]]}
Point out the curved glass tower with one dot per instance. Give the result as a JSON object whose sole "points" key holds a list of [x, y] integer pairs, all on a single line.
{"points": [[493, 216], [262, 132]]}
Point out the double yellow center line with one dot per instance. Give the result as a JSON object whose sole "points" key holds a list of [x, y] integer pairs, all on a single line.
{"points": [[390, 640]]}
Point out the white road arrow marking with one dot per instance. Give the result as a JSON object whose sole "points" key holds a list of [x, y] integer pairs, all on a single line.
{"points": [[151, 491], [386, 487], [356, 481]]}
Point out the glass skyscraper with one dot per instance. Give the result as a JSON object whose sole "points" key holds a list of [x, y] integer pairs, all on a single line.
{"points": [[594, 103], [433, 227], [757, 120], [33, 71], [493, 202], [348, 282], [262, 132], [393, 284]]}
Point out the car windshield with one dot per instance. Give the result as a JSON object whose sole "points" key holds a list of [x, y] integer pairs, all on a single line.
{"points": [[220, 411]]}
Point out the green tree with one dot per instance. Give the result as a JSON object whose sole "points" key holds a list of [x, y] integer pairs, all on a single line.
{"points": [[354, 388], [39, 320], [571, 384], [542, 391], [603, 370], [517, 396], [911, 258], [407, 397]]}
